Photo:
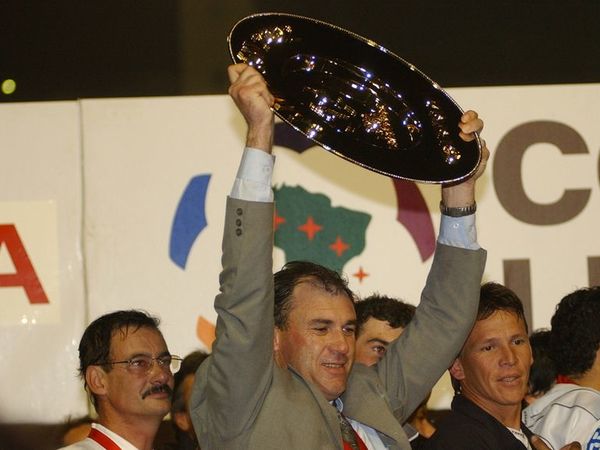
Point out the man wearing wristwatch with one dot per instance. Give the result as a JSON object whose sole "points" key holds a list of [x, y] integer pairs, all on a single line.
{"points": [[281, 374]]}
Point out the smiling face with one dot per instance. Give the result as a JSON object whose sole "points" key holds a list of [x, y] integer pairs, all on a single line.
{"points": [[318, 341], [374, 339], [129, 394], [493, 366]]}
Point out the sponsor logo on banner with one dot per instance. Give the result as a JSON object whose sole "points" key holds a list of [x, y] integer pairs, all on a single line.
{"points": [[188, 223], [307, 226], [28, 263], [24, 275], [412, 211], [189, 220], [537, 196]]}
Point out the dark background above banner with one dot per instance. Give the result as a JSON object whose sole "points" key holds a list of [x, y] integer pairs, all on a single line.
{"points": [[67, 49]]}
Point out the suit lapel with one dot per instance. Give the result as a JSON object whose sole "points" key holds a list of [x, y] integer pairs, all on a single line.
{"points": [[366, 402], [327, 410]]}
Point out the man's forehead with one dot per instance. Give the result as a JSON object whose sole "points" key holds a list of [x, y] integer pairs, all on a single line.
{"points": [[317, 287], [129, 330], [308, 291], [141, 338], [377, 326], [320, 305], [499, 323], [374, 323]]}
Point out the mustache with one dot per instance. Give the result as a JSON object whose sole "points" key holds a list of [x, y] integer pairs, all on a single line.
{"points": [[158, 388]]}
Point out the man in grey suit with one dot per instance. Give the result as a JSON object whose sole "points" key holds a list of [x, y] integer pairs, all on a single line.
{"points": [[288, 381]]}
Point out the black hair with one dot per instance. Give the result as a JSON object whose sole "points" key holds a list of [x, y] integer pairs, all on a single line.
{"points": [[575, 334], [543, 370], [393, 311], [296, 272], [497, 297]]}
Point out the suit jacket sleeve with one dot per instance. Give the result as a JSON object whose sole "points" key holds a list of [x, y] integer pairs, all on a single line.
{"points": [[230, 386], [443, 320]]}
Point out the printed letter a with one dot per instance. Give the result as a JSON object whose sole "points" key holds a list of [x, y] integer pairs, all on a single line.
{"points": [[25, 275]]}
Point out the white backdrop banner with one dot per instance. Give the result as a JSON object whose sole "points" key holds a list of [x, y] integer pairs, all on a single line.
{"points": [[153, 179], [42, 298]]}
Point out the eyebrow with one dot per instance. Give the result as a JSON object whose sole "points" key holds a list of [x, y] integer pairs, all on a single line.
{"points": [[137, 355], [521, 335], [497, 339], [378, 340], [329, 322], [320, 322]]}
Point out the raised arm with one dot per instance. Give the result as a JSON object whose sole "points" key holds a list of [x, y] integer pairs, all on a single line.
{"points": [[231, 385], [251, 95], [463, 194], [449, 300]]}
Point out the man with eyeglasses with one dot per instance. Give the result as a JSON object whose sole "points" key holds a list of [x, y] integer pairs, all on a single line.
{"points": [[128, 372]]}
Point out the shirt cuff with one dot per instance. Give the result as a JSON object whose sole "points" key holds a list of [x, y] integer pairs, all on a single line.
{"points": [[459, 232], [253, 179]]}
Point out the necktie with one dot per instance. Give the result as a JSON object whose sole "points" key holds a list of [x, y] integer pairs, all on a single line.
{"points": [[351, 440]]}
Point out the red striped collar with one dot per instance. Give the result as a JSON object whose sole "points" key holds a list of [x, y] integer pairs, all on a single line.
{"points": [[103, 439]]}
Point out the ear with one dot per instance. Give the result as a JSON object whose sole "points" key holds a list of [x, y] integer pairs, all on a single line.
{"points": [[276, 339], [456, 370], [182, 420], [277, 348], [96, 380]]}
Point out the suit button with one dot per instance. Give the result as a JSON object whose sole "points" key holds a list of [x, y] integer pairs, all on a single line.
{"points": [[238, 222], [238, 231], [239, 211]]}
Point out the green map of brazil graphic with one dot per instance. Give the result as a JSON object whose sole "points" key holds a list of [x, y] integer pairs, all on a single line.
{"points": [[308, 228]]}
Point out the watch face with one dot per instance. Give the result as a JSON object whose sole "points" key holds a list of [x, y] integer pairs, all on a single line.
{"points": [[458, 211], [355, 98]]}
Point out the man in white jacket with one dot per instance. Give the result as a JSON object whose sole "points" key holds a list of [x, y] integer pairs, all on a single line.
{"points": [[570, 411]]}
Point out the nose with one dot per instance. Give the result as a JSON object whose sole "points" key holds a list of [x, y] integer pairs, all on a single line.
{"points": [[160, 372], [340, 342], [508, 356]]}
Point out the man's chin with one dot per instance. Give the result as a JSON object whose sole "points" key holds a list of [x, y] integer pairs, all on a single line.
{"points": [[333, 391], [161, 410], [158, 404]]}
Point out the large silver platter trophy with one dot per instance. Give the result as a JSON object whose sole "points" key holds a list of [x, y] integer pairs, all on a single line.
{"points": [[356, 99]]}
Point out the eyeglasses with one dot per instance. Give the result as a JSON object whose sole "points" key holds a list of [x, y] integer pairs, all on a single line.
{"points": [[144, 364]]}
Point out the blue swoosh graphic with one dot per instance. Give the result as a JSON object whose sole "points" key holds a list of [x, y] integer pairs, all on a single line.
{"points": [[189, 220]]}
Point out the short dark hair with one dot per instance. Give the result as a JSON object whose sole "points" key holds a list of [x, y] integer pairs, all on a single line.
{"points": [[575, 331], [543, 371], [94, 347], [189, 366], [391, 310], [495, 297], [296, 272]]}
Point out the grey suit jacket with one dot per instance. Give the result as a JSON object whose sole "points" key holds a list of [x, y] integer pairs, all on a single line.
{"points": [[242, 400]]}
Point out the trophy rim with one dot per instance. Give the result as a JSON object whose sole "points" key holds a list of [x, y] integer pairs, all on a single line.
{"points": [[325, 141]]}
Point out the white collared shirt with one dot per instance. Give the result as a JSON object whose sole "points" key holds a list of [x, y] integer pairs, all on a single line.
{"points": [[564, 414], [90, 444]]}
